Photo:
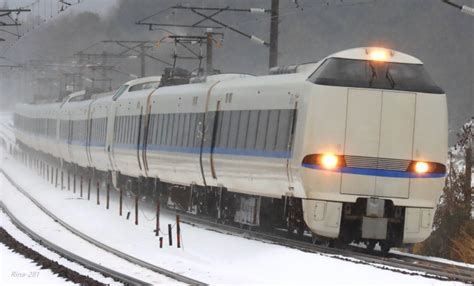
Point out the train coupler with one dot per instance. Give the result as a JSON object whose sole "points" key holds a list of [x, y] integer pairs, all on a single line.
{"points": [[374, 225]]}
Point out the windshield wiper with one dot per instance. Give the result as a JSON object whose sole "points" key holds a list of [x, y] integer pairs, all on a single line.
{"points": [[388, 75], [374, 74]]}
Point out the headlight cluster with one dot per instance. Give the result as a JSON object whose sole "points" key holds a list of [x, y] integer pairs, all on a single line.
{"points": [[326, 161], [330, 162], [421, 167]]}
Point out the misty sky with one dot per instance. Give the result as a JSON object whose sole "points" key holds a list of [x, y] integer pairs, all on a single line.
{"points": [[439, 35]]}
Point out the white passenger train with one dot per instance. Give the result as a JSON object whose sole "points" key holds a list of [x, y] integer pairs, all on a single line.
{"points": [[354, 144]]}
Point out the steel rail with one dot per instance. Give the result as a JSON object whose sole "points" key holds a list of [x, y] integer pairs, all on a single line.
{"points": [[144, 264], [69, 255]]}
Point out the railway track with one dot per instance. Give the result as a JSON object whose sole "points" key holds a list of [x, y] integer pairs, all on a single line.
{"points": [[394, 262], [109, 272], [128, 280]]}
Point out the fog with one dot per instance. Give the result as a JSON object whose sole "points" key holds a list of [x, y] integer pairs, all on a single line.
{"points": [[440, 35]]}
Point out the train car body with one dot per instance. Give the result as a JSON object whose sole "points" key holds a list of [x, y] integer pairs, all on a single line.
{"points": [[359, 137], [390, 141], [128, 114]]}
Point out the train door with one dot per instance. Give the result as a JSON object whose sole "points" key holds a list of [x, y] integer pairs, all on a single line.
{"points": [[58, 132], [111, 133], [140, 139], [215, 122], [91, 135], [291, 138], [69, 136], [146, 131], [208, 133], [88, 134]]}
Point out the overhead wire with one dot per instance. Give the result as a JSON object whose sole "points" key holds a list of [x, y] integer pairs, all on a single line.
{"points": [[303, 9], [155, 14], [39, 16], [300, 8]]}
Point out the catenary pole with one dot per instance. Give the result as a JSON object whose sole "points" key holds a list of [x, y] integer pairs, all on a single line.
{"points": [[273, 60]]}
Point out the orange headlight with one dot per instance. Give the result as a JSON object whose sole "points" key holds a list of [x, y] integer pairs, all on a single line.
{"points": [[329, 161], [379, 54], [421, 167]]}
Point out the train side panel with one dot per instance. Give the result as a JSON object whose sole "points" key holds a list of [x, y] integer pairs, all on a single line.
{"points": [[249, 147], [173, 156], [99, 111], [126, 124]]}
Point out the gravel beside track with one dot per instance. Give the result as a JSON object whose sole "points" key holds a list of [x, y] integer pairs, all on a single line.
{"points": [[44, 262]]}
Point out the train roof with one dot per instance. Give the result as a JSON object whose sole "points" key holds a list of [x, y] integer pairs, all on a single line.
{"points": [[143, 80], [220, 77], [377, 54], [299, 72], [361, 53]]}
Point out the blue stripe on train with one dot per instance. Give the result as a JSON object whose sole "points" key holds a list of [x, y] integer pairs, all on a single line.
{"points": [[376, 172], [205, 150], [222, 151]]}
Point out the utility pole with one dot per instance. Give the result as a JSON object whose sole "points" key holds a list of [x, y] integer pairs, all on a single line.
{"points": [[104, 72], [142, 60], [80, 62], [209, 65], [469, 165], [273, 59]]}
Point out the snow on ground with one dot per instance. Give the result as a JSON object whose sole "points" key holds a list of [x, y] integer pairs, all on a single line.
{"points": [[16, 269], [207, 256], [30, 243], [6, 124], [46, 227]]}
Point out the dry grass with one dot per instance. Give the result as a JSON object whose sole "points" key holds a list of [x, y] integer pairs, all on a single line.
{"points": [[462, 247]]}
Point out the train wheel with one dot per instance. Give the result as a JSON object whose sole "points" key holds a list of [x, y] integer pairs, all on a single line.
{"points": [[290, 232], [314, 238], [370, 245], [329, 243], [385, 246], [300, 231]]}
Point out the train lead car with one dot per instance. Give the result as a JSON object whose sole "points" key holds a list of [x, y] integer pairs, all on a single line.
{"points": [[351, 148]]}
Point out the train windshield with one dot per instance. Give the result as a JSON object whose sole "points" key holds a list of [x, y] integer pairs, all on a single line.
{"points": [[145, 85], [119, 92], [374, 74]]}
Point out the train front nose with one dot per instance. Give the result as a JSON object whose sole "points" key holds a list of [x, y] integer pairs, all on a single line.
{"points": [[385, 119], [378, 136], [378, 143]]}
